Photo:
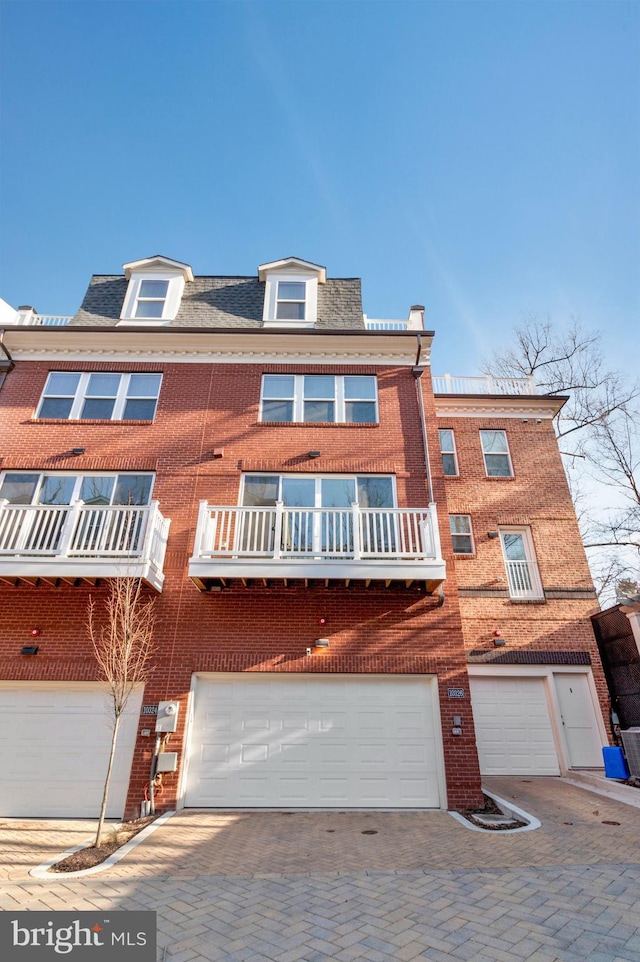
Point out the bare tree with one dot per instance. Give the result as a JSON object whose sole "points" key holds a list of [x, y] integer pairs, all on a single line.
{"points": [[123, 648], [597, 430]]}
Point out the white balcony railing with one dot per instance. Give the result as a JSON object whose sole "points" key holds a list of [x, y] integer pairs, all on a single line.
{"points": [[281, 532], [82, 540], [287, 542], [524, 580], [487, 384]]}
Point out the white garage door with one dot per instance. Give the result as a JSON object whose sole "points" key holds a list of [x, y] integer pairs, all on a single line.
{"points": [[55, 748], [513, 728], [314, 741]]}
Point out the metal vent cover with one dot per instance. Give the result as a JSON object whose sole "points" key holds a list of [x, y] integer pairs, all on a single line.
{"points": [[631, 742]]}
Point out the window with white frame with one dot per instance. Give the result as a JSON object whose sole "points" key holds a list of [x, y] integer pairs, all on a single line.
{"points": [[461, 533], [151, 298], [60, 488], [327, 398], [495, 450], [100, 396], [448, 451], [291, 300], [518, 551], [306, 527]]}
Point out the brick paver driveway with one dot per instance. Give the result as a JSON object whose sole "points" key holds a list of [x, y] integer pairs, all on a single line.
{"points": [[312, 887]]}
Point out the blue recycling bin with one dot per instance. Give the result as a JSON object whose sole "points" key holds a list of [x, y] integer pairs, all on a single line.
{"points": [[615, 764]]}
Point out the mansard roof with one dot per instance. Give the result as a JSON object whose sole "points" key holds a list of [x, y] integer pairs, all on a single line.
{"points": [[217, 301]]}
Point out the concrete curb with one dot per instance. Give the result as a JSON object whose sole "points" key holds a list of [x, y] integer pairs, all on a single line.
{"points": [[509, 809], [42, 871], [612, 789]]}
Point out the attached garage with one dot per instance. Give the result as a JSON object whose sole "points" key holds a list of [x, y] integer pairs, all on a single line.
{"points": [[272, 740], [535, 724], [55, 748]]}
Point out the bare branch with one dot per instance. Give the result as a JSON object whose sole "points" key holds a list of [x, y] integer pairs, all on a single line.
{"points": [[123, 649]]}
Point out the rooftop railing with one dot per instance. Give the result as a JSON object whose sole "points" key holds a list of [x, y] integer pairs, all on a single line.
{"points": [[486, 384]]}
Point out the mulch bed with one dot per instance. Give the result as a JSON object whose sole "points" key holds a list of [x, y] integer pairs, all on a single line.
{"points": [[490, 808], [113, 839]]}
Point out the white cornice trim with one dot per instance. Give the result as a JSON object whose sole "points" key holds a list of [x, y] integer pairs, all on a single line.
{"points": [[228, 347], [502, 407]]}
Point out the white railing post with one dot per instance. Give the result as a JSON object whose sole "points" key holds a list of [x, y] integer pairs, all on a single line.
{"points": [[434, 531], [357, 543], [447, 383], [69, 527], [203, 512], [277, 534]]}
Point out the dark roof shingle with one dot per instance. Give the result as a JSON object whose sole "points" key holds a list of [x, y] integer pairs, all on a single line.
{"points": [[223, 302]]}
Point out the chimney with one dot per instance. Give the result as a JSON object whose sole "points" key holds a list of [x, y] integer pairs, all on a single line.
{"points": [[416, 318]]}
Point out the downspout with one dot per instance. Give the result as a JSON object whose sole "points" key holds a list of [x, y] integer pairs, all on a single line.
{"points": [[5, 366], [417, 372]]}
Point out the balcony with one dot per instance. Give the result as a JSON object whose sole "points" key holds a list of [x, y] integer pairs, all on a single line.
{"points": [[524, 581], [265, 544], [450, 384], [71, 543]]}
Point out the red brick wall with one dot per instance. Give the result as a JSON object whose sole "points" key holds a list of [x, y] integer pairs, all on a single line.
{"points": [[203, 407], [538, 497]]}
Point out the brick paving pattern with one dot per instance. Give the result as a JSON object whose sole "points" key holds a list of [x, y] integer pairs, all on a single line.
{"points": [[311, 888]]}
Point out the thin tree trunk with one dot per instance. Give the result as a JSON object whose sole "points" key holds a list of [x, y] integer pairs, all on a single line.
{"points": [[105, 793]]}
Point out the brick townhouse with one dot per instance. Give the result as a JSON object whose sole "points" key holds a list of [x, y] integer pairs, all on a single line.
{"points": [[370, 586]]}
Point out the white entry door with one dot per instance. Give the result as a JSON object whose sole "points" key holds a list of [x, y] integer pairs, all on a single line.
{"points": [[579, 725], [270, 740], [55, 746]]}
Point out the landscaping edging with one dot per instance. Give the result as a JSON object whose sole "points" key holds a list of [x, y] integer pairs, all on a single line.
{"points": [[42, 871], [509, 810]]}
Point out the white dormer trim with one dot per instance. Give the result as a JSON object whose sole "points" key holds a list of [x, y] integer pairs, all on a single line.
{"points": [[295, 264], [157, 262], [291, 270], [158, 268]]}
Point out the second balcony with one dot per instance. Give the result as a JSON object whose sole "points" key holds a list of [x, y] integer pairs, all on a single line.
{"points": [[379, 546]]}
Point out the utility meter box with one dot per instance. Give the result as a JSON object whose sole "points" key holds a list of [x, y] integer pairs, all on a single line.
{"points": [[167, 762], [167, 717]]}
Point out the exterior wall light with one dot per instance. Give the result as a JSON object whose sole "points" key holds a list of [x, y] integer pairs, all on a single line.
{"points": [[314, 454], [29, 650], [321, 643]]}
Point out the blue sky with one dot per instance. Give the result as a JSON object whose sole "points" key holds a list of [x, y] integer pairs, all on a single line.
{"points": [[481, 158]]}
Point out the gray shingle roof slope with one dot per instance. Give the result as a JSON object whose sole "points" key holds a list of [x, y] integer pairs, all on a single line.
{"points": [[223, 302]]}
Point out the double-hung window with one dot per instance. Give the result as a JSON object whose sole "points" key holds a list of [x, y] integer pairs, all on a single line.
{"points": [[495, 450], [448, 451], [291, 301], [461, 533], [100, 396], [151, 298], [340, 398]]}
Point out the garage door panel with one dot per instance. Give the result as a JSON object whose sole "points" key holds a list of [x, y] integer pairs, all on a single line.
{"points": [[513, 727], [55, 750], [349, 741]]}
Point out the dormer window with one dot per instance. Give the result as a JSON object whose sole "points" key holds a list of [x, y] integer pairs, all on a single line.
{"points": [[291, 292], [151, 298], [154, 294], [291, 300]]}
